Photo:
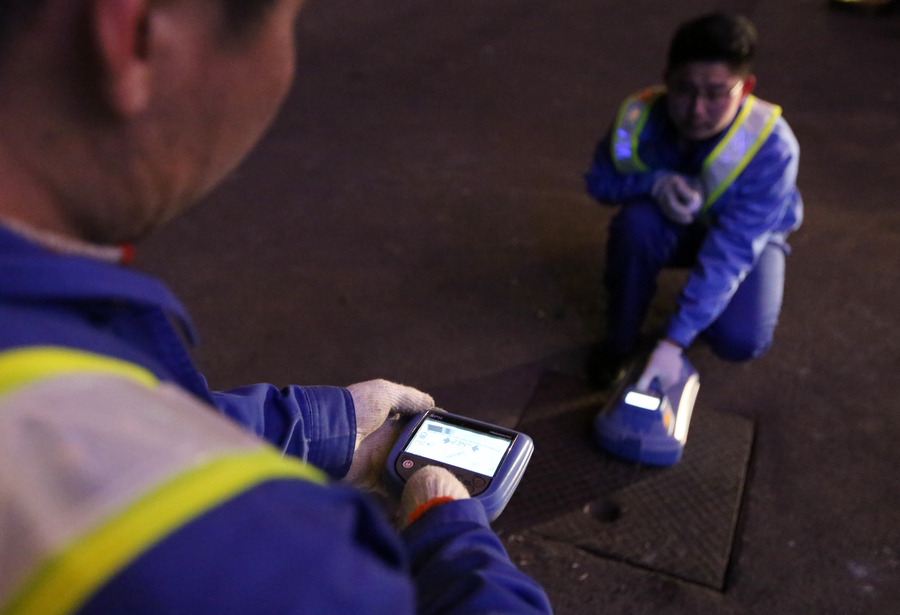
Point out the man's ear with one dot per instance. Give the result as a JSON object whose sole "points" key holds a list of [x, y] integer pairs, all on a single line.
{"points": [[749, 84], [121, 37]]}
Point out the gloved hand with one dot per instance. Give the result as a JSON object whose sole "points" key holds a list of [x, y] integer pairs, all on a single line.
{"points": [[379, 405], [430, 486], [665, 363], [679, 197]]}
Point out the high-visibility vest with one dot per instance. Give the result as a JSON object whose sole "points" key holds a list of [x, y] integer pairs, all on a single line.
{"points": [[99, 461], [722, 166]]}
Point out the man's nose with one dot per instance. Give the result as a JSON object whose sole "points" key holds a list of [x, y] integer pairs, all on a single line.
{"points": [[698, 108]]}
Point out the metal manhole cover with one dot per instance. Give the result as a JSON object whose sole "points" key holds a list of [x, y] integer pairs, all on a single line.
{"points": [[679, 520]]}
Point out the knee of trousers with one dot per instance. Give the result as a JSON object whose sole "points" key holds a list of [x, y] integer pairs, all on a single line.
{"points": [[739, 346]]}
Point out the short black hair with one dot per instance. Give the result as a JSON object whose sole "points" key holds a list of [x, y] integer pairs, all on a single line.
{"points": [[240, 16], [715, 38]]}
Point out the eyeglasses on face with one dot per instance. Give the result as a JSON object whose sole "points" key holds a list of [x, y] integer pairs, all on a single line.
{"points": [[715, 95]]}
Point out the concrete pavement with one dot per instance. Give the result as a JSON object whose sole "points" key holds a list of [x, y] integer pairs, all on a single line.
{"points": [[417, 213]]}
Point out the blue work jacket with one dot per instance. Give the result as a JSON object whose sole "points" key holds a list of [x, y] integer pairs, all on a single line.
{"points": [[282, 546], [761, 206]]}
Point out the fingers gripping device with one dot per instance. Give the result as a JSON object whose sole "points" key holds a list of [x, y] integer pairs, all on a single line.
{"points": [[488, 460], [649, 427]]}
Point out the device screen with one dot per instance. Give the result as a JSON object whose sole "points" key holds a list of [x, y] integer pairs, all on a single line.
{"points": [[454, 445], [648, 402]]}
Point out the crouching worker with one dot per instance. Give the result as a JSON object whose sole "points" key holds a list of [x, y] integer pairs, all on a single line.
{"points": [[705, 173], [126, 485]]}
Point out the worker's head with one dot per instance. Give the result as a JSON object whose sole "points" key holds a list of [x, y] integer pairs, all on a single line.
{"points": [[115, 115], [709, 73]]}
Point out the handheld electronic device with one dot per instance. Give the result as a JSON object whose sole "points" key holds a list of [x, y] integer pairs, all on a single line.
{"points": [[649, 427], [487, 459]]}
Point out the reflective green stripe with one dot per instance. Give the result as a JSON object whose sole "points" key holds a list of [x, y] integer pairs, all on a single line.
{"points": [[748, 155], [627, 131], [66, 581], [23, 366], [735, 126], [636, 158]]}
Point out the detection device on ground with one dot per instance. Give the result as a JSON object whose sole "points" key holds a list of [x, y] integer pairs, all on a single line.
{"points": [[649, 427], [487, 459]]}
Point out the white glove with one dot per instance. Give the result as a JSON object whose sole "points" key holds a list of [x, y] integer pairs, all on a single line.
{"points": [[375, 401], [665, 363], [427, 484], [678, 197]]}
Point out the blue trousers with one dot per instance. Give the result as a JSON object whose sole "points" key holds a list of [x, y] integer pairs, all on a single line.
{"points": [[642, 243]]}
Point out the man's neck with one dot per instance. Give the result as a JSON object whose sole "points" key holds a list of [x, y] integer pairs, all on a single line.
{"points": [[28, 209], [24, 199]]}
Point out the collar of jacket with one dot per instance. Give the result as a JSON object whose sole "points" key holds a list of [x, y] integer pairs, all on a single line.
{"points": [[30, 272]]}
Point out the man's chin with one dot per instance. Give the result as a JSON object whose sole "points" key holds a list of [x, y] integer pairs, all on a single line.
{"points": [[697, 133]]}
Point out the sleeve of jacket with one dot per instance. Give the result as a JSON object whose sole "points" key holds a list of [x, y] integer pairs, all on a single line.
{"points": [[460, 566], [316, 424], [747, 216], [608, 186]]}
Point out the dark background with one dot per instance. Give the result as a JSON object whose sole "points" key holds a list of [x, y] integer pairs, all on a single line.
{"points": [[417, 213]]}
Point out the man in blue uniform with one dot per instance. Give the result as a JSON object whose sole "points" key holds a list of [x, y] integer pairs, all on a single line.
{"points": [[706, 176], [126, 485]]}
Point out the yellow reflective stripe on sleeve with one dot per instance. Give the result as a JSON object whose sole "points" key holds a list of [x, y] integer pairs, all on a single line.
{"points": [[65, 582], [23, 366]]}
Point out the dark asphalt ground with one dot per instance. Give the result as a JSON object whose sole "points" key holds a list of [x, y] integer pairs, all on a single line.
{"points": [[417, 213]]}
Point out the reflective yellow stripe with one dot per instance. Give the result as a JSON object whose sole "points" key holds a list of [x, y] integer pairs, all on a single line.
{"points": [[638, 163], [748, 155], [751, 152], [65, 582], [735, 126], [627, 130], [23, 366]]}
